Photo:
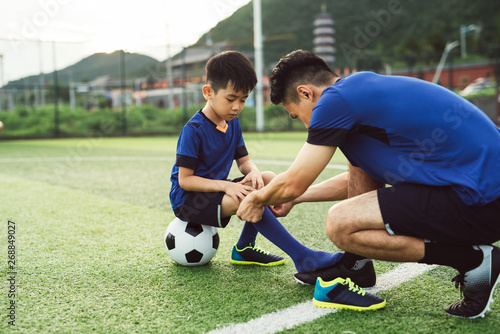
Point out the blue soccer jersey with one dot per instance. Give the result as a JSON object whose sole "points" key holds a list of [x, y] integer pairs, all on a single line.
{"points": [[401, 129], [208, 150]]}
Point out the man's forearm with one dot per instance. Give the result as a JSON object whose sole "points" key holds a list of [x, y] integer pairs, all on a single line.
{"points": [[334, 189], [289, 185], [280, 190]]}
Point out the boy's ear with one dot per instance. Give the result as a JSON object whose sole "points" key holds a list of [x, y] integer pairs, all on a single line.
{"points": [[208, 91]]}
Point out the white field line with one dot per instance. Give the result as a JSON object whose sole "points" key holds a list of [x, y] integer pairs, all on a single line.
{"points": [[138, 158], [307, 312]]}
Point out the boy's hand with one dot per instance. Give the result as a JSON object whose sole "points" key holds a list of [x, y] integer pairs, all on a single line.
{"points": [[254, 178], [238, 191]]}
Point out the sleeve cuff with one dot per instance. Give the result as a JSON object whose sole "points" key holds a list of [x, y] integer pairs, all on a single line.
{"points": [[327, 137], [186, 161], [241, 152]]}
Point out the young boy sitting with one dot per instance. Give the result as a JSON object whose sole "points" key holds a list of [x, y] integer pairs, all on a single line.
{"points": [[207, 146]]}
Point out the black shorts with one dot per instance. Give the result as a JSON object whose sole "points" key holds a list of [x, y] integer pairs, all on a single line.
{"points": [[438, 214], [204, 208]]}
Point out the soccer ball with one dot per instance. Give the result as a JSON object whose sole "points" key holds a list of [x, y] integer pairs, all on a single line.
{"points": [[189, 244]]}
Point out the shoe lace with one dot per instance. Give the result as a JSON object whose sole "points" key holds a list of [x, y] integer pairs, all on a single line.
{"points": [[260, 250], [459, 283], [353, 287]]}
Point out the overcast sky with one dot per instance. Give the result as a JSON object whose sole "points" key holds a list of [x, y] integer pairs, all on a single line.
{"points": [[83, 27]]}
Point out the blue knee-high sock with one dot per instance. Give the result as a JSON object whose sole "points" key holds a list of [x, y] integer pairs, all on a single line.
{"points": [[247, 236], [305, 259]]}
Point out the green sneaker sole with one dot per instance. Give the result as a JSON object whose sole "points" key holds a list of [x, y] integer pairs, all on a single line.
{"points": [[249, 263], [321, 304]]}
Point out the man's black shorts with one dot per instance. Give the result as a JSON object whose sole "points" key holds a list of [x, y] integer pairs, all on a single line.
{"points": [[204, 208], [438, 214]]}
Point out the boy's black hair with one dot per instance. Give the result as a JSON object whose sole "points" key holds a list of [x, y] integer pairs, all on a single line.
{"points": [[297, 68], [231, 66]]}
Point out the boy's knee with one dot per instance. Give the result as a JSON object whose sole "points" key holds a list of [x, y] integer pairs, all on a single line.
{"points": [[228, 206], [267, 176]]}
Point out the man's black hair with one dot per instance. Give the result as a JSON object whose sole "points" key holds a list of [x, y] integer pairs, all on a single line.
{"points": [[297, 68]]}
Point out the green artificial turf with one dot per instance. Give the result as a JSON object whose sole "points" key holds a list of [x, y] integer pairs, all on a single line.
{"points": [[90, 216]]}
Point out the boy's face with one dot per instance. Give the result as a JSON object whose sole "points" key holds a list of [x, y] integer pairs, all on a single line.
{"points": [[227, 103]]}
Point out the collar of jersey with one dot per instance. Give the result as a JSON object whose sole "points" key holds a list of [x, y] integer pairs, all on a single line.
{"points": [[224, 129]]}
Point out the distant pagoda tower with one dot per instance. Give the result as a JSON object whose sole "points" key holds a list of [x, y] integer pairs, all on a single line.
{"points": [[324, 40]]}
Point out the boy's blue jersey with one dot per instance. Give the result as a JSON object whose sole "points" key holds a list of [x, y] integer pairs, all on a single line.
{"points": [[208, 150], [401, 129]]}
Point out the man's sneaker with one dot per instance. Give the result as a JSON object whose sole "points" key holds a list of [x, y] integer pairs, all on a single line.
{"points": [[364, 277], [477, 286], [344, 294], [254, 255]]}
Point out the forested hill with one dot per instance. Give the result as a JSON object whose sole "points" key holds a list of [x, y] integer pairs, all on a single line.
{"points": [[392, 29], [93, 66]]}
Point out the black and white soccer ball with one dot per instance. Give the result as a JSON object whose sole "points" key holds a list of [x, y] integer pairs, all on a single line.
{"points": [[189, 244]]}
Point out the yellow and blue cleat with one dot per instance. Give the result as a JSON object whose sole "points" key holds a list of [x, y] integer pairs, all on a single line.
{"points": [[253, 255], [345, 294]]}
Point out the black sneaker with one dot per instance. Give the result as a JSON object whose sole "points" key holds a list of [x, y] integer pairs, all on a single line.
{"points": [[477, 286], [253, 255], [344, 294], [364, 277]]}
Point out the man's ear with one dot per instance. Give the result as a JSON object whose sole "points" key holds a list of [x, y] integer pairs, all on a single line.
{"points": [[305, 92], [208, 91]]}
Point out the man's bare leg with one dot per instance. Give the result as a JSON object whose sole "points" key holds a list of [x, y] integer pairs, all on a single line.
{"points": [[356, 225], [359, 182]]}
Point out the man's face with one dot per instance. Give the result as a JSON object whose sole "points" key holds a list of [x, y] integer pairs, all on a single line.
{"points": [[302, 110]]}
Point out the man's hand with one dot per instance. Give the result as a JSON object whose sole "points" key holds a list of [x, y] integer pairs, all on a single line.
{"points": [[281, 210], [249, 210]]}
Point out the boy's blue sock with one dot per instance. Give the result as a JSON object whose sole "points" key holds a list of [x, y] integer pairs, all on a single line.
{"points": [[305, 259], [247, 236]]}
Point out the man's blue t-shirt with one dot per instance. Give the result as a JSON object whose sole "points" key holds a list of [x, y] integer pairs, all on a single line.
{"points": [[208, 150], [401, 129]]}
